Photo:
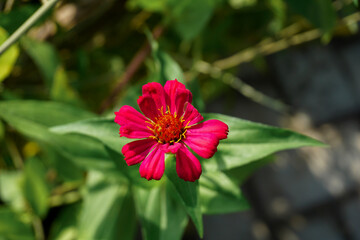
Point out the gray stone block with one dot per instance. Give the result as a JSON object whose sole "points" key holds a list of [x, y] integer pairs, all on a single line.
{"points": [[311, 229], [234, 226], [351, 215], [313, 80], [304, 178]]}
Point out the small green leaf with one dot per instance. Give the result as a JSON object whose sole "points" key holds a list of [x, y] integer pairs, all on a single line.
{"points": [[8, 58], [166, 67], [101, 209], [12, 227], [320, 13], [65, 225], [190, 17], [218, 194], [248, 142], [185, 192], [356, 2], [48, 61], [161, 217], [45, 57], [151, 6], [36, 190], [17, 16], [10, 189], [61, 90]]}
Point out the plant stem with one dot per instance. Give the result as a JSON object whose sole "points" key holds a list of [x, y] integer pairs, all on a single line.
{"points": [[38, 228], [27, 25]]}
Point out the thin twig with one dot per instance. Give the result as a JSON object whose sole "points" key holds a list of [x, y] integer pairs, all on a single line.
{"points": [[27, 25], [242, 87], [132, 68], [272, 46]]}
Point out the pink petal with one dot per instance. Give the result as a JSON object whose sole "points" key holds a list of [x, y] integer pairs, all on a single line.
{"points": [[219, 128], [148, 107], [154, 164], [188, 166], [157, 93], [191, 116], [177, 96], [167, 148], [204, 144], [136, 151], [132, 123]]}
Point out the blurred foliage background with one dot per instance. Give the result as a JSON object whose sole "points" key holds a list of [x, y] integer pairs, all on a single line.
{"points": [[97, 54]]}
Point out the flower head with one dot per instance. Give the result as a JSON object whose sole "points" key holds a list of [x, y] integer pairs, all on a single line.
{"points": [[170, 125]]}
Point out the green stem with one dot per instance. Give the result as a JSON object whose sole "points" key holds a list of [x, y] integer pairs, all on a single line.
{"points": [[27, 25]]}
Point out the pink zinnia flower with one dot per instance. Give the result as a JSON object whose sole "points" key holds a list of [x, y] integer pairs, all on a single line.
{"points": [[170, 125]]}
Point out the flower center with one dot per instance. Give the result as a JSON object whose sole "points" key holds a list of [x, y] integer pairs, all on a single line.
{"points": [[168, 129]]}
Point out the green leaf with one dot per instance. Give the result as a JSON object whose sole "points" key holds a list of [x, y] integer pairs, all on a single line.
{"points": [[10, 189], [240, 174], [48, 61], [356, 2], [185, 192], [237, 4], [61, 90], [65, 225], [36, 190], [12, 227], [151, 6], [17, 16], [8, 58], [45, 113], [278, 7], [104, 129], [248, 142], [218, 194], [190, 17], [45, 57], [161, 217], [82, 150], [102, 209], [320, 13], [166, 68]]}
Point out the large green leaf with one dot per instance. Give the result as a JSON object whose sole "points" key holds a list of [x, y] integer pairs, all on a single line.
{"points": [[104, 129], [36, 190], [320, 13], [82, 150], [8, 58], [248, 141], [102, 210], [239, 174], [45, 113], [185, 192], [218, 194], [12, 227], [161, 217]]}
